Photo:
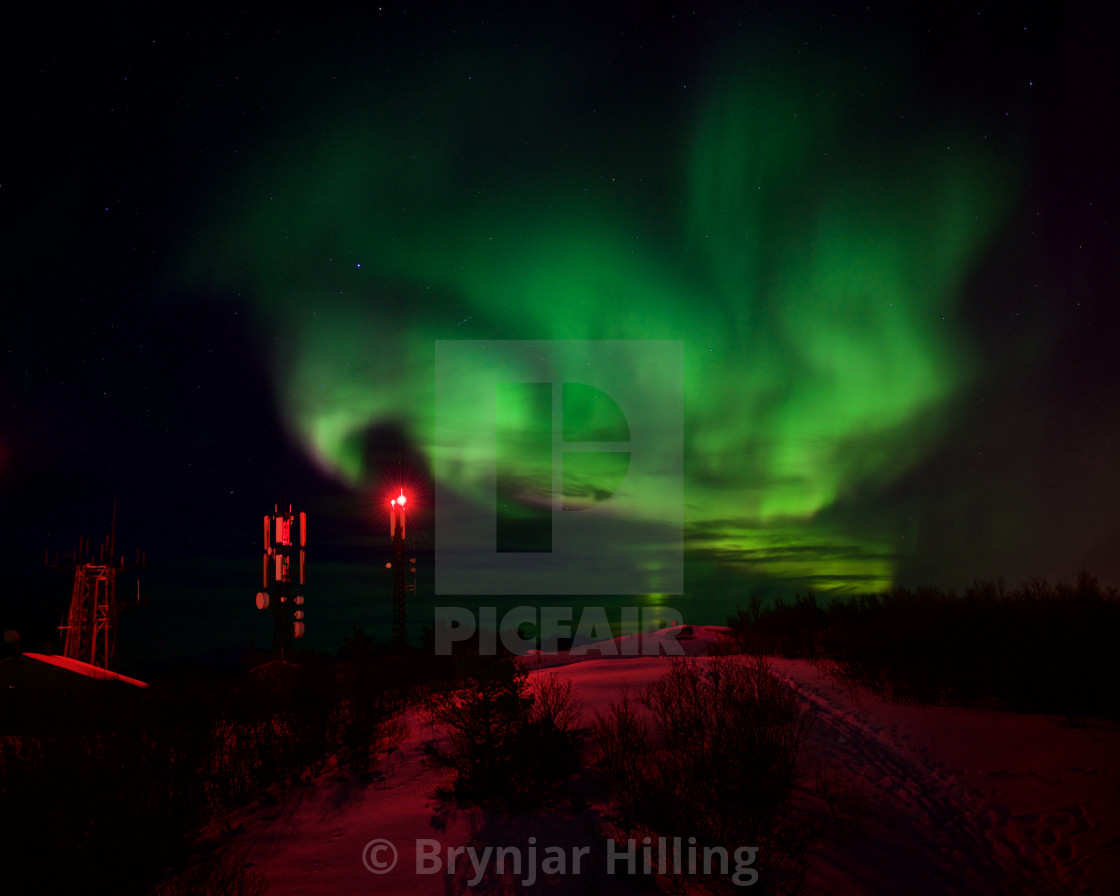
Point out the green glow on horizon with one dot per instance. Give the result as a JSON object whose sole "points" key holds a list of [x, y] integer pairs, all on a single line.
{"points": [[812, 271]]}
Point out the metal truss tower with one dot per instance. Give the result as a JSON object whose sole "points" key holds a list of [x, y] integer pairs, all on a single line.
{"points": [[89, 629]]}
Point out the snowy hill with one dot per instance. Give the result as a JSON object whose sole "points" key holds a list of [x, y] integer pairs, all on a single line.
{"points": [[917, 800]]}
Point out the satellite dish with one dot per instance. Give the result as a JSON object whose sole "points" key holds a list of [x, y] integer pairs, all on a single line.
{"points": [[11, 636], [262, 600], [299, 600], [298, 614], [297, 629]]}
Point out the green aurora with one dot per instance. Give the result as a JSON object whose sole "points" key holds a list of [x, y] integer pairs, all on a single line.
{"points": [[803, 226]]}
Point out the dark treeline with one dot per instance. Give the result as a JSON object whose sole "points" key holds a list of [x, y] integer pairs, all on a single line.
{"points": [[1037, 648]]}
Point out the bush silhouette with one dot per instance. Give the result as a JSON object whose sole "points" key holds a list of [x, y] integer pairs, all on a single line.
{"points": [[506, 747], [710, 752]]}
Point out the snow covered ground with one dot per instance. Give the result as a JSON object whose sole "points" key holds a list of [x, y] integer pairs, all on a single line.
{"points": [[965, 800], [907, 800]]}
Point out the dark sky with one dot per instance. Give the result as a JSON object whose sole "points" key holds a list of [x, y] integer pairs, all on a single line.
{"points": [[887, 240]]}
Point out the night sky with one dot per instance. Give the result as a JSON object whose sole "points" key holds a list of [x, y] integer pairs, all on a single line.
{"points": [[887, 240]]}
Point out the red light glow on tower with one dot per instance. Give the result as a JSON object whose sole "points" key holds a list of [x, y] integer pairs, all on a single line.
{"points": [[397, 514], [402, 570]]}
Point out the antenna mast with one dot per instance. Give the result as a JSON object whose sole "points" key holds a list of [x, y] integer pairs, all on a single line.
{"points": [[404, 574], [280, 550], [89, 629]]}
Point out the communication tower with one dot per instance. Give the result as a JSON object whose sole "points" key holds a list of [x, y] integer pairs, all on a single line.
{"points": [[280, 592], [404, 573], [89, 628]]}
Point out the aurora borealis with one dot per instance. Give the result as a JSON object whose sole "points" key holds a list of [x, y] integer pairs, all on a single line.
{"points": [[862, 227], [806, 242]]}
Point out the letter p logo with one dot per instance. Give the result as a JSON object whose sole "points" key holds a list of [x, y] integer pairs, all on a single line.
{"points": [[558, 467]]}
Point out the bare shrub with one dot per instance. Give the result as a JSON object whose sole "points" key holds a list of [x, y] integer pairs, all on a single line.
{"points": [[505, 747], [554, 699], [713, 756]]}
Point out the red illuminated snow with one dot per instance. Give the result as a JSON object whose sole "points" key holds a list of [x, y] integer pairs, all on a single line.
{"points": [[946, 800], [86, 669]]}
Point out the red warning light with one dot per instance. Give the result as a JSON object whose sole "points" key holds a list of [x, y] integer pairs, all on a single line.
{"points": [[396, 519]]}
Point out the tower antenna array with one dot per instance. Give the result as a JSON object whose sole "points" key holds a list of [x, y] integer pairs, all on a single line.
{"points": [[282, 585]]}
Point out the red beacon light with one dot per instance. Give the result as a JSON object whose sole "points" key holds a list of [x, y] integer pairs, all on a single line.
{"points": [[400, 570], [397, 504]]}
